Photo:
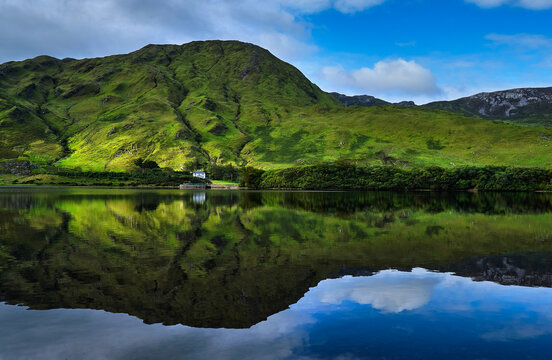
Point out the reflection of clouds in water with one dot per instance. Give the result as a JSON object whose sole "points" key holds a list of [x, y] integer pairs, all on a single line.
{"points": [[274, 338], [92, 334], [517, 332], [58, 334], [389, 291], [199, 197]]}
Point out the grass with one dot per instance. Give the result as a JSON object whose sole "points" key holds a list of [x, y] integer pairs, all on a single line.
{"points": [[8, 179], [227, 102], [402, 134], [223, 182]]}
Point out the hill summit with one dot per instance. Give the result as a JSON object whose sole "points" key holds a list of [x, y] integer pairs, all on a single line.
{"points": [[177, 105], [227, 102]]}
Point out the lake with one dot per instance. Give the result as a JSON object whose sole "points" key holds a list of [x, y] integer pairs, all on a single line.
{"points": [[96, 273]]}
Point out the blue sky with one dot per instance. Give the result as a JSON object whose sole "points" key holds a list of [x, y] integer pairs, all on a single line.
{"points": [[466, 47], [422, 50]]}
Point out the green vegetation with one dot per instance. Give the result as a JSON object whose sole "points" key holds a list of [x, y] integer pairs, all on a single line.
{"points": [[348, 175], [147, 176], [226, 173], [207, 105], [224, 182], [180, 106]]}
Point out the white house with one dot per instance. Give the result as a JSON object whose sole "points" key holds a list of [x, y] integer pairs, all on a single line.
{"points": [[199, 174]]}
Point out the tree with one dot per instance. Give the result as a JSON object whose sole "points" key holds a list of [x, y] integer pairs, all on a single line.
{"points": [[148, 164]]}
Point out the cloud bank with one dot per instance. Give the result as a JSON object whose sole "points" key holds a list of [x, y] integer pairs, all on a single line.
{"points": [[91, 28], [527, 4], [526, 41], [388, 77], [102, 27], [388, 292]]}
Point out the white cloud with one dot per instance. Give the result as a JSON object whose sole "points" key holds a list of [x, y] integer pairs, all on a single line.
{"points": [[352, 6], [528, 4], [488, 3], [389, 292], [519, 332], [344, 6], [527, 41], [87, 28], [535, 4], [391, 76]]}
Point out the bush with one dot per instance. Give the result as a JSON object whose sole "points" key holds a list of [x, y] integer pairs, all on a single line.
{"points": [[222, 172], [148, 164], [251, 177], [155, 177], [345, 175]]}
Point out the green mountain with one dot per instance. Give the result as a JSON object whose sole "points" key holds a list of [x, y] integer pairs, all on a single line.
{"points": [[226, 102]]}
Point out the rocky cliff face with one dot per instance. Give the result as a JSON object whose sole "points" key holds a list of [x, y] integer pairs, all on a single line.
{"points": [[509, 103], [16, 167], [533, 105]]}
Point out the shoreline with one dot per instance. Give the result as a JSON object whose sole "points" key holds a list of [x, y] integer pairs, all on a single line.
{"points": [[238, 188]]}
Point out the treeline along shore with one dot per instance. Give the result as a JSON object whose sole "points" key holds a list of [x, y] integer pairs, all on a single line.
{"points": [[350, 176], [341, 175]]}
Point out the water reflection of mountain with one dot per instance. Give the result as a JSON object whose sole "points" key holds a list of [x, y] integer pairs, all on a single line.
{"points": [[528, 269], [232, 259]]}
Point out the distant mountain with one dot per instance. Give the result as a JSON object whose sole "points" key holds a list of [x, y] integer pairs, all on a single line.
{"points": [[527, 106], [524, 106], [359, 100], [405, 103], [367, 100]]}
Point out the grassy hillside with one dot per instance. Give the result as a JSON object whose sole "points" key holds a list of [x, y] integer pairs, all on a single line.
{"points": [[397, 136], [176, 105], [226, 102]]}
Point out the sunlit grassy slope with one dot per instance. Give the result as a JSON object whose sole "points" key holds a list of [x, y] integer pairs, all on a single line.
{"points": [[226, 102]]}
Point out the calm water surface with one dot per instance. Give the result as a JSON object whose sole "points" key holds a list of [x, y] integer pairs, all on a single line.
{"points": [[144, 274]]}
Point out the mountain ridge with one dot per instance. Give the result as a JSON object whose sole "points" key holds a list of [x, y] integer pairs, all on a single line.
{"points": [[367, 100], [525, 106], [522, 105], [226, 102]]}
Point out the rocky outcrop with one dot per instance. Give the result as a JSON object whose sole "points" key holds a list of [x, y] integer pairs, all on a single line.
{"points": [[17, 167], [526, 105], [502, 105]]}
